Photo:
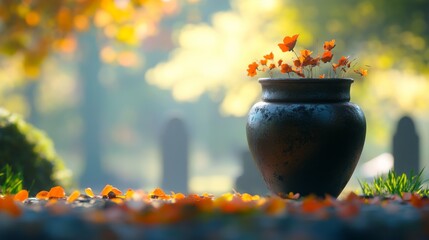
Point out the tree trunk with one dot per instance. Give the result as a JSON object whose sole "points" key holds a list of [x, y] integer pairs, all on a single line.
{"points": [[31, 95], [91, 109]]}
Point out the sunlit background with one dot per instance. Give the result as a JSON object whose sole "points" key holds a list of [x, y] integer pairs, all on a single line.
{"points": [[102, 78]]}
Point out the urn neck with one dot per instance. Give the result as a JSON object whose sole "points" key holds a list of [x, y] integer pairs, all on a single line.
{"points": [[306, 89]]}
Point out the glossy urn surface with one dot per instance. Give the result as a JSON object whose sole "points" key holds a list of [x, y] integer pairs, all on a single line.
{"points": [[305, 135]]}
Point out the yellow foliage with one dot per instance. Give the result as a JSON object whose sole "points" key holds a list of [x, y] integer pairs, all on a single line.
{"points": [[65, 20], [66, 45], [127, 35], [32, 18], [39, 27], [102, 18], [108, 54], [81, 22], [128, 59]]}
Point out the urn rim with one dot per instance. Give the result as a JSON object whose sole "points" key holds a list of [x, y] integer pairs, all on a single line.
{"points": [[304, 80]]}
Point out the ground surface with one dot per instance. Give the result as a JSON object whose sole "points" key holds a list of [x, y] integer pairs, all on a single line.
{"points": [[157, 215]]}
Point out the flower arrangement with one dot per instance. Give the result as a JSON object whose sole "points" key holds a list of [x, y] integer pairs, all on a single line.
{"points": [[303, 64]]}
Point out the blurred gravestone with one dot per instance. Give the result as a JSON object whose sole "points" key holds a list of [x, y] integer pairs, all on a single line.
{"points": [[250, 180], [406, 148], [175, 154]]}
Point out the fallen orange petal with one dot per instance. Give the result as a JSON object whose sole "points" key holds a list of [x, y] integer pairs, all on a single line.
{"points": [[73, 196], [106, 190], [117, 200], [42, 195], [352, 197], [21, 195], [158, 192], [51, 202], [311, 205], [416, 201], [56, 192], [116, 191], [329, 201], [178, 196], [348, 210], [8, 205], [406, 196], [129, 194], [275, 206], [89, 192], [292, 195], [246, 197]]}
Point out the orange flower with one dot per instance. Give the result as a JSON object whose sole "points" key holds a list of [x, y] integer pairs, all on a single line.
{"points": [[362, 72], [306, 53], [251, 71], [305, 57], [269, 56], [288, 43], [328, 46], [299, 72], [344, 61], [304, 63], [322, 76], [314, 61], [286, 68], [297, 63], [327, 56]]}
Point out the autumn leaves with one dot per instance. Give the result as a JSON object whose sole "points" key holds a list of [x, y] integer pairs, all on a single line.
{"points": [[304, 63]]}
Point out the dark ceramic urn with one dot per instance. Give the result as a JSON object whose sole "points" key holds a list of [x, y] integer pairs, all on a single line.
{"points": [[305, 135]]}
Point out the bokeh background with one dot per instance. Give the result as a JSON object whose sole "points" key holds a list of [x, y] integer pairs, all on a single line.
{"points": [[103, 77]]}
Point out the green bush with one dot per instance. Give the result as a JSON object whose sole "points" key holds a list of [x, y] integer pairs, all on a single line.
{"points": [[28, 151]]}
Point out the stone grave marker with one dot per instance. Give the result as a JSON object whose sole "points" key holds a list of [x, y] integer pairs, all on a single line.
{"points": [[406, 148], [175, 156]]}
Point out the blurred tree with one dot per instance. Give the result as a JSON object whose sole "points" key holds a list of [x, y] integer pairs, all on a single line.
{"points": [[35, 29], [395, 31]]}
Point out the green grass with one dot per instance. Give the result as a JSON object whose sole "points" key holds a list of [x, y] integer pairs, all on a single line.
{"points": [[394, 184], [10, 182]]}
